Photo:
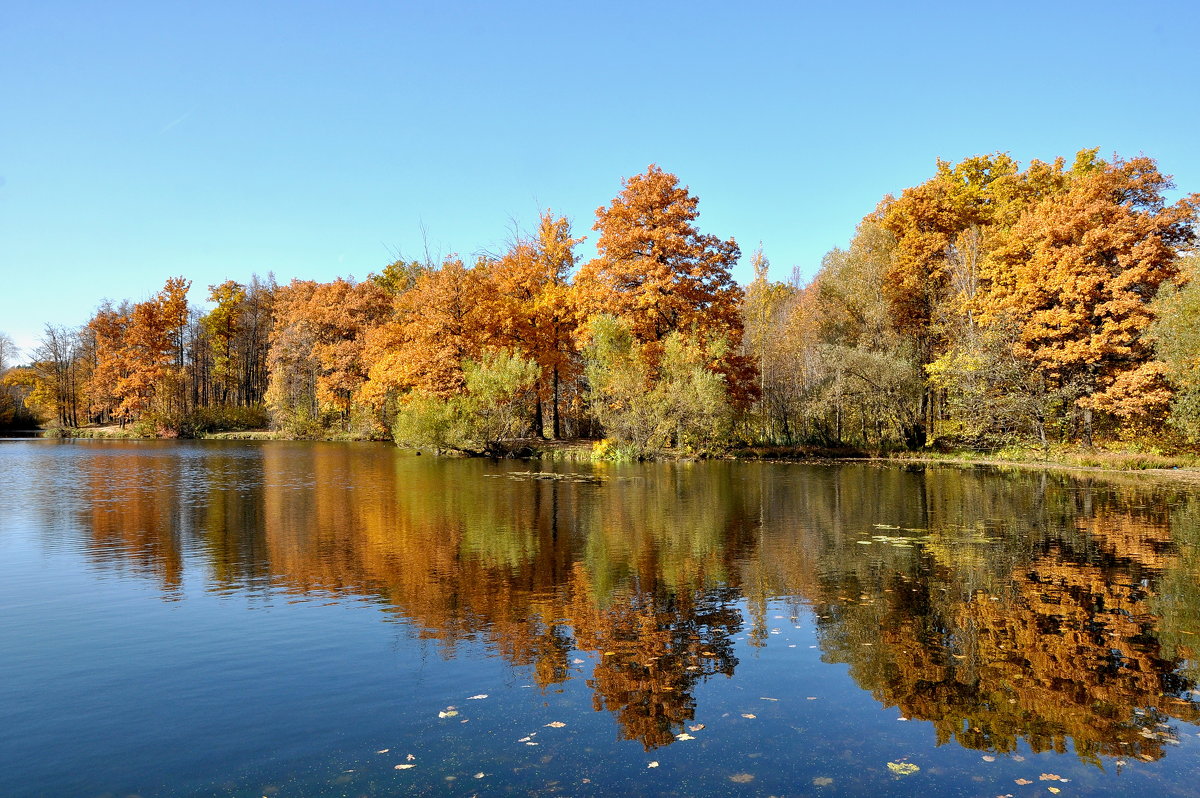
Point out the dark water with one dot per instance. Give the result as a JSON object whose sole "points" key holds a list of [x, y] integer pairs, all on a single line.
{"points": [[264, 619]]}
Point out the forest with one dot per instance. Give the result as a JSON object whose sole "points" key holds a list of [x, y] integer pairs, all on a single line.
{"points": [[989, 306]]}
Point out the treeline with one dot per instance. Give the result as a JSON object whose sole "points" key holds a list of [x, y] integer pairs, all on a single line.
{"points": [[989, 305]]}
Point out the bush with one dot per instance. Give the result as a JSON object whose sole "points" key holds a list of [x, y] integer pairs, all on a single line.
{"points": [[478, 421]]}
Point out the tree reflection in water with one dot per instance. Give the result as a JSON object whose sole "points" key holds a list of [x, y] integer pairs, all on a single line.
{"points": [[998, 606]]}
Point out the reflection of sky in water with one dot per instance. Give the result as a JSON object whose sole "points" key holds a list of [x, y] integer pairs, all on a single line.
{"points": [[200, 618]]}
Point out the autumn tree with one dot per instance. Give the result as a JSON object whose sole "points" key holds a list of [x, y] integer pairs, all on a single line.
{"points": [[535, 310], [1077, 272], [106, 330], [443, 321], [220, 326], [51, 385], [152, 354], [318, 348], [764, 311], [655, 270]]}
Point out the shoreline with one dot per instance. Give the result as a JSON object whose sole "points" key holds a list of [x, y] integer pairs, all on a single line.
{"points": [[1185, 467]]}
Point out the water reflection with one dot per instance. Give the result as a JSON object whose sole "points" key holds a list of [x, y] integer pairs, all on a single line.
{"points": [[1000, 607]]}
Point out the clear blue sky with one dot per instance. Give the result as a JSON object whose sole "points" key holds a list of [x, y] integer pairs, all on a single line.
{"points": [[140, 140]]}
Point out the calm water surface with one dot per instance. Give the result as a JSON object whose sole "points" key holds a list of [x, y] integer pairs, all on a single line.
{"points": [[292, 619]]}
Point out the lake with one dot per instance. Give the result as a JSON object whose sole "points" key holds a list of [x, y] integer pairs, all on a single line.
{"points": [[324, 619]]}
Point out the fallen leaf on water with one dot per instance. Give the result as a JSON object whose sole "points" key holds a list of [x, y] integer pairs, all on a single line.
{"points": [[1049, 777], [577, 661], [822, 781], [479, 775], [742, 778], [477, 697], [764, 698], [449, 713], [556, 724], [697, 727], [653, 764], [684, 736], [989, 758], [1054, 790], [1022, 782], [530, 743], [902, 768], [749, 715], [404, 767], [409, 758], [383, 750]]}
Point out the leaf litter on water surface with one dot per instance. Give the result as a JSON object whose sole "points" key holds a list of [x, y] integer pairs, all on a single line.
{"points": [[903, 768]]}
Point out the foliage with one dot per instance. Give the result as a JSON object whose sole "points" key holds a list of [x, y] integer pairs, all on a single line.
{"points": [[646, 402], [482, 418], [659, 274], [990, 306], [1176, 339]]}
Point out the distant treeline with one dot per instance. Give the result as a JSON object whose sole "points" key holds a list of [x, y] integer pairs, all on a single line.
{"points": [[987, 306]]}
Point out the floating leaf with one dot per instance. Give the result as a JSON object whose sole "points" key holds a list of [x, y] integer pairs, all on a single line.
{"points": [[577, 661], [749, 715], [1054, 790], [477, 697], [409, 758], [822, 781], [764, 698], [902, 768], [383, 750], [684, 736], [742, 778], [404, 767], [697, 727], [556, 724], [989, 758], [448, 713], [1049, 777], [653, 764], [479, 775], [1022, 782]]}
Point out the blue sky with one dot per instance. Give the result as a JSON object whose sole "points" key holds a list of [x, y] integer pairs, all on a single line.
{"points": [[141, 140]]}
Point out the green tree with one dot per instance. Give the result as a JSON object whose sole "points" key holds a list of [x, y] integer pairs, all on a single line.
{"points": [[1176, 338]]}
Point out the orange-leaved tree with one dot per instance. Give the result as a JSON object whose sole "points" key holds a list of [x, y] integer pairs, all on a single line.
{"points": [[535, 312], [1077, 273], [659, 274]]}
